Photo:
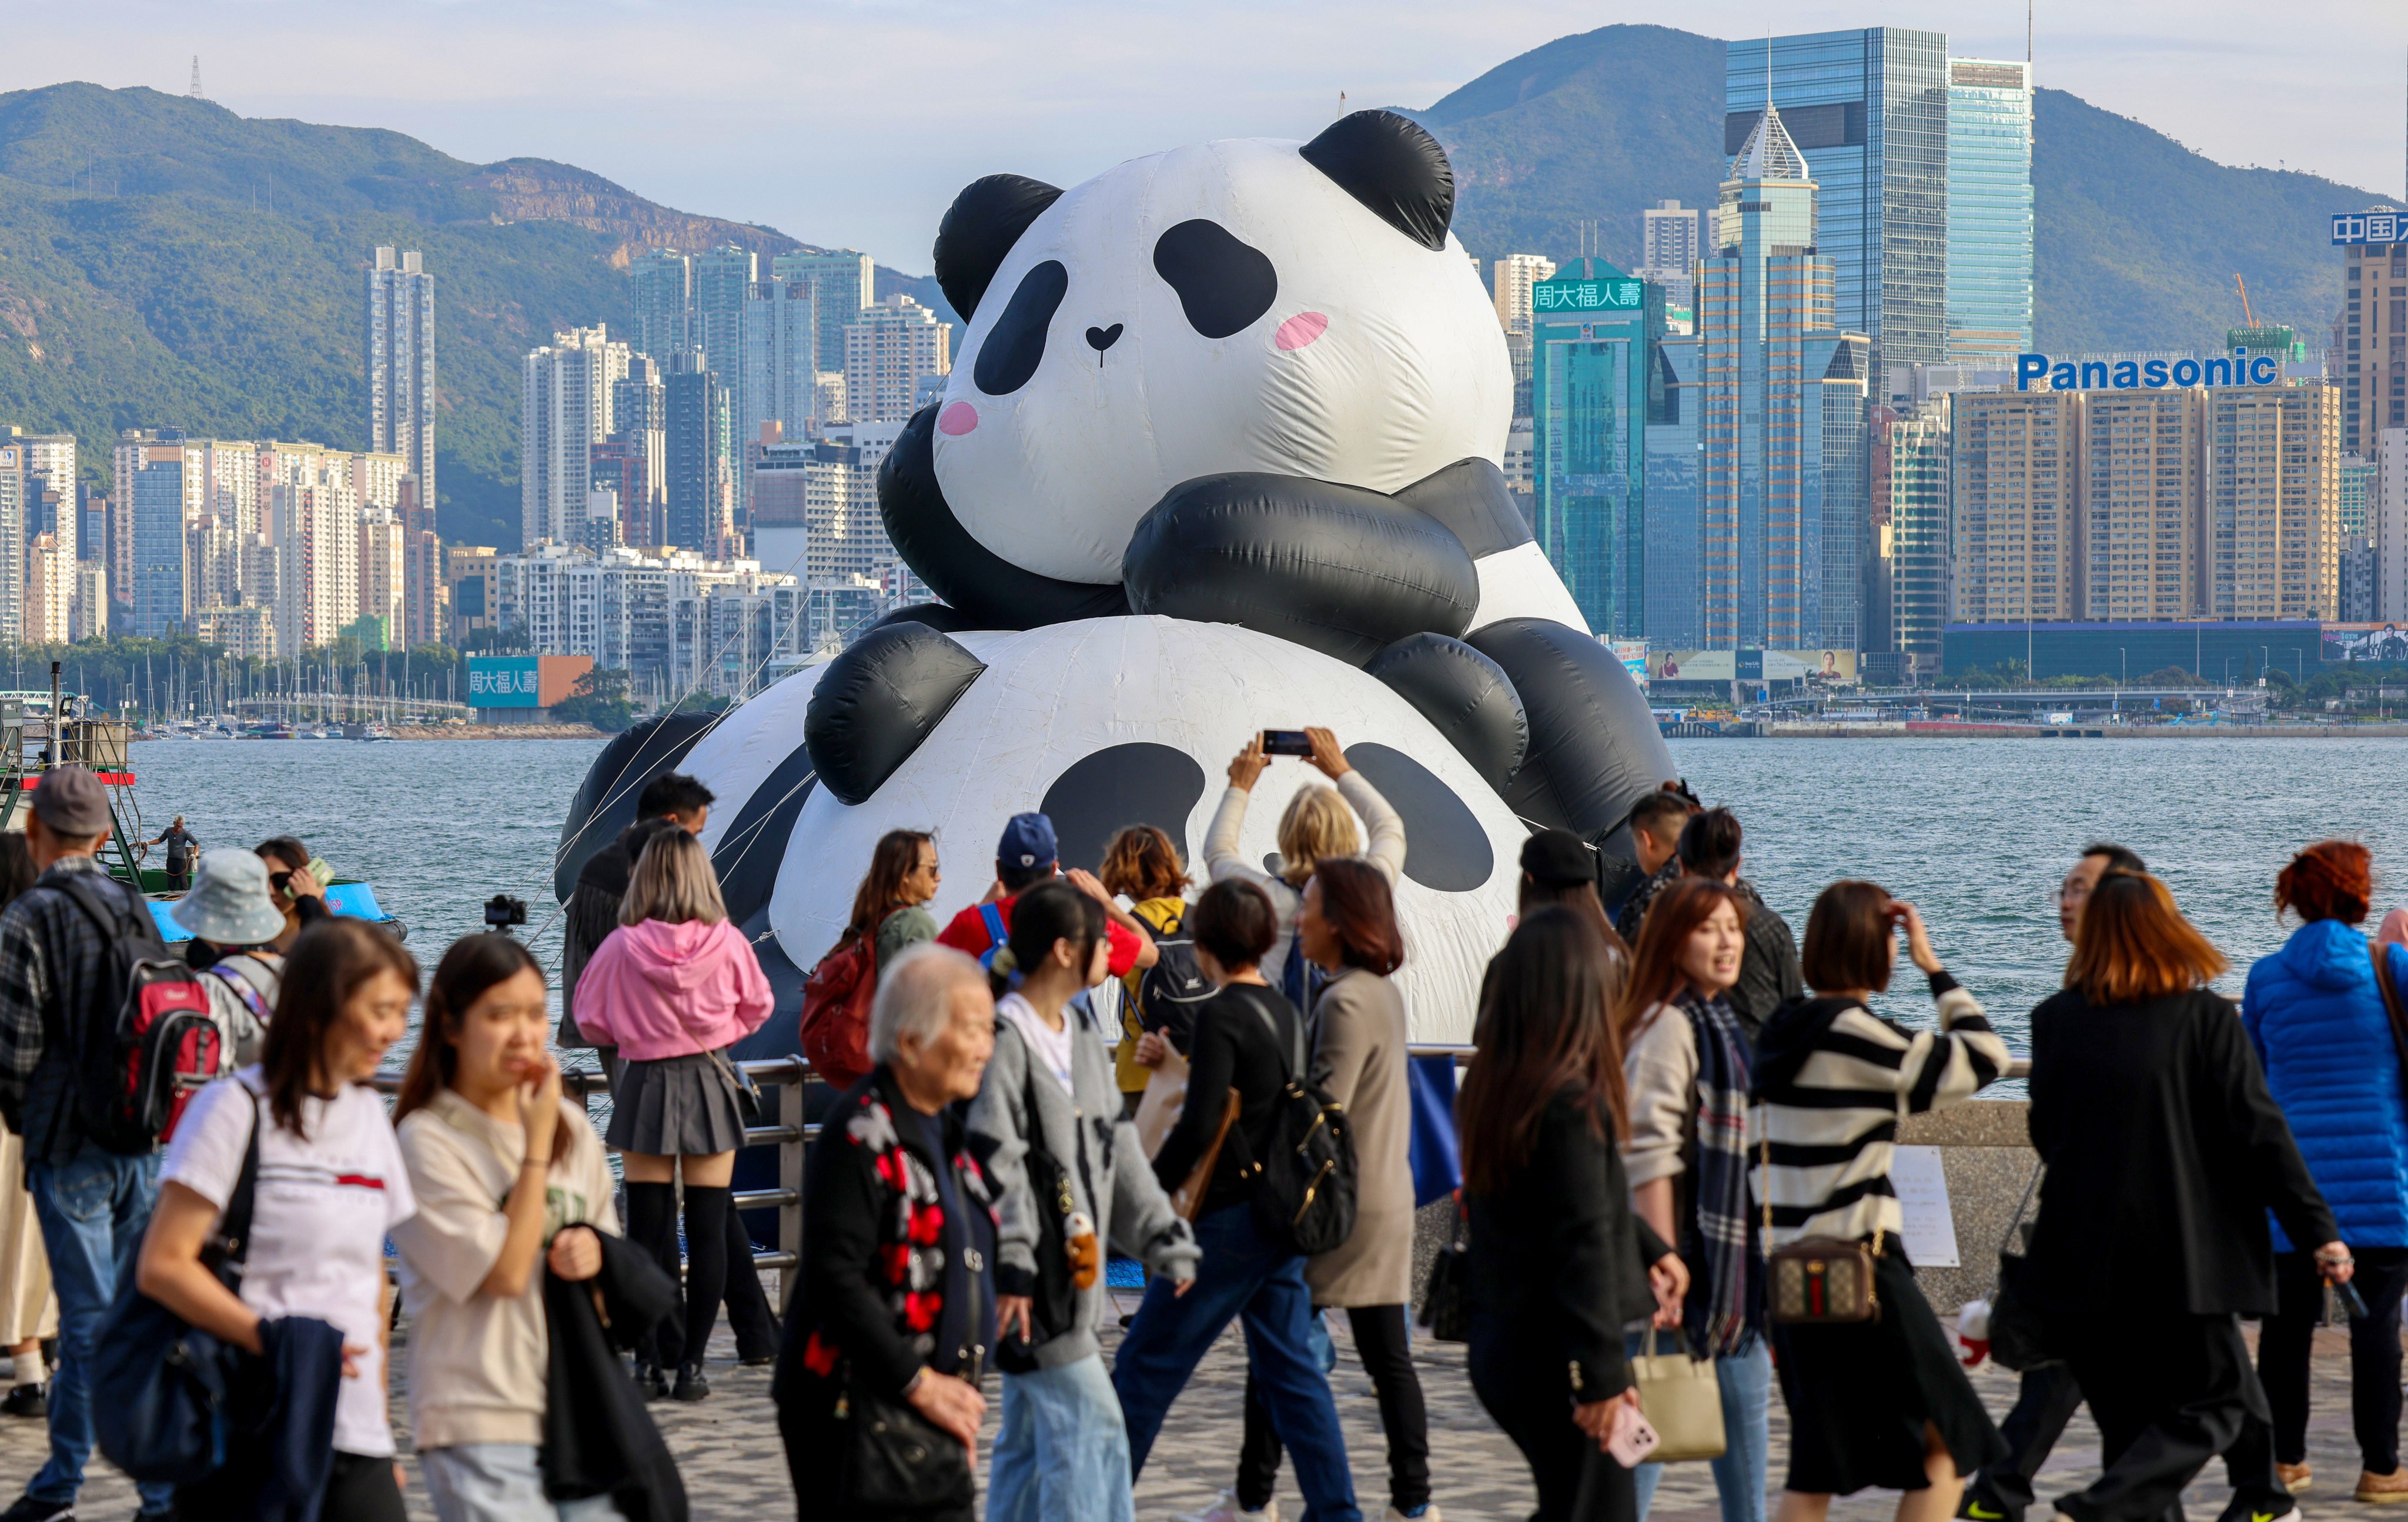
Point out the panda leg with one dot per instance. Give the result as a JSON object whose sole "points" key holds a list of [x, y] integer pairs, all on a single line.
{"points": [[1594, 747], [994, 593], [878, 700]]}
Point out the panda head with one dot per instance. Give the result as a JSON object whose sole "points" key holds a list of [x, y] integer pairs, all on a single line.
{"points": [[1247, 305]]}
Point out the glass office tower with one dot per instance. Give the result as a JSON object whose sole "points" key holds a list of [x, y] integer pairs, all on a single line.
{"points": [[1989, 211], [1592, 333], [1674, 614], [1869, 109]]}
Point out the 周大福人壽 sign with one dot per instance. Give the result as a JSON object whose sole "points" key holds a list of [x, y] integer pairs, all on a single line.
{"points": [[2147, 375]]}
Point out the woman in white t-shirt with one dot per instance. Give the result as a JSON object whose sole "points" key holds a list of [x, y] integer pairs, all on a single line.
{"points": [[331, 1184], [481, 1120]]}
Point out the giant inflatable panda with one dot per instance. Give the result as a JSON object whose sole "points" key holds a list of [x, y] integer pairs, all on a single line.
{"points": [[1219, 452]]}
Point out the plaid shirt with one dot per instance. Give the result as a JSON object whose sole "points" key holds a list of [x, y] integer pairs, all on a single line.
{"points": [[50, 954]]}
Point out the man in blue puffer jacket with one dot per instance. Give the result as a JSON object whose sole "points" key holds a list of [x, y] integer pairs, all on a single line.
{"points": [[2319, 1021]]}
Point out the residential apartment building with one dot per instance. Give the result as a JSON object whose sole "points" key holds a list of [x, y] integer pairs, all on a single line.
{"points": [[2016, 547], [699, 458], [2387, 520], [1669, 248], [469, 585], [2374, 363], [567, 390], [2272, 476], [815, 507], [153, 486], [843, 286], [674, 620], [661, 283], [384, 580], [888, 349], [400, 349], [424, 611], [15, 484], [1511, 279], [2139, 466]]}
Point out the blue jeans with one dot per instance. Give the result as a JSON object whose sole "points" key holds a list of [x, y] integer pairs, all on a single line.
{"points": [[1062, 1452], [94, 1209], [501, 1482], [1245, 1277], [1746, 1381]]}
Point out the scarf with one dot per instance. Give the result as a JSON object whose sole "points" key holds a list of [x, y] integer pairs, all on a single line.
{"points": [[1726, 1301]]}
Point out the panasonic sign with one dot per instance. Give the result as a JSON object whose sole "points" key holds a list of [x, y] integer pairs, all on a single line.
{"points": [[2241, 369]]}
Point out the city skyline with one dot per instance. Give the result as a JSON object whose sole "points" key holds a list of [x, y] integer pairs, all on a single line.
{"points": [[450, 75]]}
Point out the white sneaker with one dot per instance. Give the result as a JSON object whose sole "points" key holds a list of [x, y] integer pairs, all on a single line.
{"points": [[1225, 1508]]}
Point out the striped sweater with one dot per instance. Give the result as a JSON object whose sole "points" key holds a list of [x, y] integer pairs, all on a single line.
{"points": [[1831, 1079]]}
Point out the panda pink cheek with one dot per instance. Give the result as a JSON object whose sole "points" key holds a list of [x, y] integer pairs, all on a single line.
{"points": [[958, 420], [1300, 330]]}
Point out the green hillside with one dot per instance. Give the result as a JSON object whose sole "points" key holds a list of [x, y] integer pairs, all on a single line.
{"points": [[164, 261], [2136, 238]]}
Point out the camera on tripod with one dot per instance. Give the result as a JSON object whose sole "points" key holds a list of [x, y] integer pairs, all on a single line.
{"points": [[502, 912]]}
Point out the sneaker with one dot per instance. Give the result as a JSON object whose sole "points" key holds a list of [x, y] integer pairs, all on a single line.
{"points": [[691, 1385], [26, 1400], [2383, 1489], [2295, 1477], [1426, 1512], [2260, 1509], [1225, 1508], [29, 1509], [1978, 1505]]}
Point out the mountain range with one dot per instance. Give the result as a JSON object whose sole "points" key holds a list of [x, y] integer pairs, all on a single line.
{"points": [[164, 260]]}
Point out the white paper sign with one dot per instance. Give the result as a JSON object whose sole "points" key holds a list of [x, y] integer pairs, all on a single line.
{"points": [[1931, 1231]]}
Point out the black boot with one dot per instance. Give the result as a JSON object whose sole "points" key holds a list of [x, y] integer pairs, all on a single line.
{"points": [[691, 1385]]}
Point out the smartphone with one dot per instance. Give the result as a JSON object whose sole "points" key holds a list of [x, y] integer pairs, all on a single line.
{"points": [[1634, 1442], [2352, 1303], [1286, 743], [319, 869]]}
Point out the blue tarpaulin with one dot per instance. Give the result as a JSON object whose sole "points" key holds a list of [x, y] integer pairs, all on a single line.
{"points": [[1438, 1166], [356, 899]]}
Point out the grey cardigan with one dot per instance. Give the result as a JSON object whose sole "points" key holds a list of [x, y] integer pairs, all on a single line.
{"points": [[1115, 1189]]}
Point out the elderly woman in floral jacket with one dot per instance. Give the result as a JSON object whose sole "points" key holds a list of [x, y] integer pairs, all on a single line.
{"points": [[896, 1309]]}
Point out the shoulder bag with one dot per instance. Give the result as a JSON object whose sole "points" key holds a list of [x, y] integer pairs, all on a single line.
{"points": [[897, 1460], [1681, 1399], [1188, 1198], [2390, 992], [1818, 1281], [1446, 1303], [2018, 1336], [159, 1384]]}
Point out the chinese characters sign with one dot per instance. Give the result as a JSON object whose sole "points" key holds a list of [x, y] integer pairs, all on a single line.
{"points": [[504, 681], [1565, 295], [2370, 228]]}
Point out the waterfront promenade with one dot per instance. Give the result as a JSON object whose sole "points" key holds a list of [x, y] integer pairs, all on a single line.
{"points": [[735, 1469]]}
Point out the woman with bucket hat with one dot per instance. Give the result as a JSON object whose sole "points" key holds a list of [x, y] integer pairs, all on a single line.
{"points": [[234, 923]]}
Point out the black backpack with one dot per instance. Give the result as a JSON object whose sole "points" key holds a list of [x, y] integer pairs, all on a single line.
{"points": [[1306, 1199], [147, 1041], [1170, 992]]}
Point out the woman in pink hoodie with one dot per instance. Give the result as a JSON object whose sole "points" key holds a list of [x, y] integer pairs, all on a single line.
{"points": [[671, 988]]}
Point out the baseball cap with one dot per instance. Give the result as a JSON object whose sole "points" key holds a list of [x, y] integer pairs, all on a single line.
{"points": [[1558, 858], [1028, 841], [71, 802]]}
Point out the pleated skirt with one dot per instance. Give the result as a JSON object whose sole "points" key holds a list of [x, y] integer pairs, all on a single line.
{"points": [[682, 1106]]}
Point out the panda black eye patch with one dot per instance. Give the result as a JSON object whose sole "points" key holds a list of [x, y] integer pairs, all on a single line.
{"points": [[1224, 285], [1017, 341]]}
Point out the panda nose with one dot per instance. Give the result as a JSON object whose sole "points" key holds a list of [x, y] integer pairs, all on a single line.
{"points": [[1101, 338]]}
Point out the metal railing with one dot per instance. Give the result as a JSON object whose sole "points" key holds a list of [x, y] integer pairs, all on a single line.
{"points": [[784, 1077], [2017, 1067]]}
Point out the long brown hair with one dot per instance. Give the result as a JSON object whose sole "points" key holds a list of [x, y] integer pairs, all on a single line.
{"points": [[334, 959], [470, 965], [891, 861], [1140, 861], [1361, 908], [1655, 975], [673, 883], [1543, 1028], [2134, 945]]}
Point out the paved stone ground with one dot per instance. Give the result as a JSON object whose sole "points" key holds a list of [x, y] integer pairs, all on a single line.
{"points": [[735, 1469]]}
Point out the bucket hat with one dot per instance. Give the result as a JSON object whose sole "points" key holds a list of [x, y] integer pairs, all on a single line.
{"points": [[228, 904]]}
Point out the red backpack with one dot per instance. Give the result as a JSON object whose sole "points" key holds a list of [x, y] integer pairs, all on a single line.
{"points": [[836, 1012], [160, 1043]]}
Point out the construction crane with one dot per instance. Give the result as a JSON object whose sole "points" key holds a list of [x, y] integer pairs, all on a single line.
{"points": [[2247, 318]]}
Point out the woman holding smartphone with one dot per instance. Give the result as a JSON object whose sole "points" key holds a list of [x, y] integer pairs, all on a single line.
{"points": [[1559, 1262]]}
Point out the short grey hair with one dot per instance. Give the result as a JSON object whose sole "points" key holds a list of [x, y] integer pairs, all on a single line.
{"points": [[915, 994]]}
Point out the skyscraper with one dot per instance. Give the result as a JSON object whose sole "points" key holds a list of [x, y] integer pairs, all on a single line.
{"points": [[1867, 110], [1591, 329], [1989, 210], [2274, 477], [422, 613], [401, 363], [565, 396], [1906, 604], [1511, 279], [2374, 315], [2015, 459], [701, 464], [1674, 611], [661, 283], [1667, 241], [887, 350], [1783, 394], [843, 285], [156, 489], [780, 368]]}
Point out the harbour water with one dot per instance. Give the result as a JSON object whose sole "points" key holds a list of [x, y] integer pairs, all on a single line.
{"points": [[1974, 832]]}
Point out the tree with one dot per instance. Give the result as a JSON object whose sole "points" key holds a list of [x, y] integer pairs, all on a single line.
{"points": [[598, 698]]}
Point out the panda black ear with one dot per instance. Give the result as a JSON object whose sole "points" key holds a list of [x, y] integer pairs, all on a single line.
{"points": [[1391, 165], [980, 228]]}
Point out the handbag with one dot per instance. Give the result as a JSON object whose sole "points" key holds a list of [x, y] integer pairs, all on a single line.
{"points": [[896, 1460], [160, 1385], [2018, 1335], [1188, 1198], [1818, 1281], [748, 1092], [1682, 1400], [1446, 1303]]}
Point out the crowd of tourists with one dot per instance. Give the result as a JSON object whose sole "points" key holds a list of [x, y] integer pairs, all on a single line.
{"points": [[1676, 1132]]}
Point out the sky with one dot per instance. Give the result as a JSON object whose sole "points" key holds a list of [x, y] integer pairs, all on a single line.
{"points": [[853, 125]]}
